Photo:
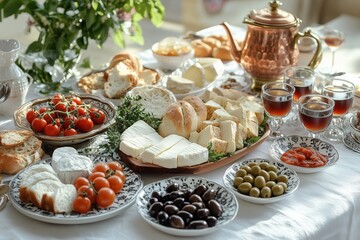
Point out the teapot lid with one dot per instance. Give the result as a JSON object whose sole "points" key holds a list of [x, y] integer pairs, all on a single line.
{"points": [[273, 16]]}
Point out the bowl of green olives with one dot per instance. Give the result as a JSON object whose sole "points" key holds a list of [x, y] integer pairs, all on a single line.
{"points": [[186, 206], [261, 181]]}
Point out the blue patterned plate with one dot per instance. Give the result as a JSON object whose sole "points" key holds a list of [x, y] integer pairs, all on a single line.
{"points": [[123, 200], [281, 145], [223, 196], [230, 173]]}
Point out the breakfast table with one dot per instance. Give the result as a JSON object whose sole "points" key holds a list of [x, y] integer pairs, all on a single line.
{"points": [[326, 204]]}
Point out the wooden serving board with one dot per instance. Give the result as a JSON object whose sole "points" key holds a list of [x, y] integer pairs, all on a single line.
{"points": [[138, 166]]}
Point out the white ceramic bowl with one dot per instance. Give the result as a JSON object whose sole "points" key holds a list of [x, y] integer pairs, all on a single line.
{"points": [[223, 196], [281, 145], [230, 174]]}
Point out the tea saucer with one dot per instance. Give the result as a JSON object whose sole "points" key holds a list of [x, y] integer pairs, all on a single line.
{"points": [[351, 143]]}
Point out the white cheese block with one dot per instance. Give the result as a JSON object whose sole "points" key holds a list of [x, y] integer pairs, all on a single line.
{"points": [[154, 137], [206, 135], [192, 155], [252, 124], [211, 106], [256, 108], [196, 74], [63, 152], [241, 133], [194, 136], [236, 111], [213, 67], [218, 145], [138, 129], [150, 153], [135, 146], [179, 85], [64, 197], [169, 158], [71, 167], [222, 115], [228, 133]]}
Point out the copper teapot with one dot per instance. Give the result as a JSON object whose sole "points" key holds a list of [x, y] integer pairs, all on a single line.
{"points": [[271, 44]]}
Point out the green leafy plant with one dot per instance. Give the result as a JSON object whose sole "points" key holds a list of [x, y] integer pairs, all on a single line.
{"points": [[66, 27]]}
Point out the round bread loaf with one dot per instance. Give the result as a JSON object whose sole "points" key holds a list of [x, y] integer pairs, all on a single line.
{"points": [[180, 118], [134, 61], [201, 49], [212, 42], [199, 108], [222, 52]]}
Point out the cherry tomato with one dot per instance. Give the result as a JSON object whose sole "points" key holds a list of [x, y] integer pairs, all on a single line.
{"points": [[101, 167], [97, 116], [52, 130], [81, 204], [121, 174], [76, 100], [49, 117], [84, 124], [57, 121], [81, 111], [57, 98], [70, 132], [61, 106], [100, 183], [116, 183], [115, 166], [87, 191], [96, 175], [43, 110], [31, 115], [81, 181], [38, 124], [69, 121], [105, 197]]}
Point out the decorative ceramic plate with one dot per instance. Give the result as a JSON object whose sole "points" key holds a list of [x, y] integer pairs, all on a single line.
{"points": [[351, 143], [123, 200], [223, 196], [293, 181], [281, 145], [107, 107]]}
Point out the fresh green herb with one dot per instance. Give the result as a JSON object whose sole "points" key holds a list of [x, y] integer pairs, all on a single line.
{"points": [[129, 112], [262, 128], [213, 156]]}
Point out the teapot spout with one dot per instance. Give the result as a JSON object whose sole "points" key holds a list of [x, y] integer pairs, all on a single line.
{"points": [[235, 52]]}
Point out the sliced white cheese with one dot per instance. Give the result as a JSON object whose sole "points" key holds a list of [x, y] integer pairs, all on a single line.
{"points": [[150, 153], [196, 74], [179, 85], [194, 136], [222, 115], [154, 137], [168, 158], [237, 111], [135, 146], [34, 178], [211, 106], [192, 155], [228, 133], [71, 167], [63, 152], [34, 169], [241, 133], [138, 129], [213, 67], [206, 135], [252, 124], [218, 145], [256, 108]]}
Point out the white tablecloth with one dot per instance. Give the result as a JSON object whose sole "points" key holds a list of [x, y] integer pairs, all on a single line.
{"points": [[325, 206]]}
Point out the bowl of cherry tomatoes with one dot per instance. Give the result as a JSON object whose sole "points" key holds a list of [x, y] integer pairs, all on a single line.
{"points": [[66, 120]]}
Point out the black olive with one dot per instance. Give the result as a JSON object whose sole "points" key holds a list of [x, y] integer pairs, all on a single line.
{"points": [[166, 197], [187, 193], [198, 205], [151, 201], [155, 208], [179, 202], [176, 221], [189, 208], [211, 221], [215, 208], [168, 203], [171, 209], [173, 187], [202, 213], [186, 216], [199, 190], [195, 198], [208, 195], [198, 224], [187, 203], [176, 194], [162, 218], [156, 194]]}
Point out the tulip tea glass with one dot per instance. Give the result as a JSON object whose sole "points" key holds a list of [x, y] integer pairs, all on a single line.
{"points": [[333, 39], [302, 78], [315, 113], [277, 98], [342, 92]]}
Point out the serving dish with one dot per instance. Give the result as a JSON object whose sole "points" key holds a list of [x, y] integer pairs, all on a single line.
{"points": [[354, 131], [123, 200], [107, 107], [281, 145], [139, 166], [293, 181], [223, 196]]}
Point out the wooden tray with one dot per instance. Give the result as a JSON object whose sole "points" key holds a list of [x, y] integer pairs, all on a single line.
{"points": [[141, 167]]}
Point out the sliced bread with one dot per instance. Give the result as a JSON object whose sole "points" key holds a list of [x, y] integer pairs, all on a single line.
{"points": [[40, 192], [13, 138], [63, 199]]}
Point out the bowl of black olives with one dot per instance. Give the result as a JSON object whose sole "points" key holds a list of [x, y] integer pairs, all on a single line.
{"points": [[186, 206], [260, 180]]}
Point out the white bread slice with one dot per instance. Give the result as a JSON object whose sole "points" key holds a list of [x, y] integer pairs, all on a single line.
{"points": [[63, 198], [92, 81], [148, 77], [42, 190], [34, 169], [14, 138]]}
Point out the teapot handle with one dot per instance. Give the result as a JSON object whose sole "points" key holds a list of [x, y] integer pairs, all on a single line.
{"points": [[29, 78], [316, 59]]}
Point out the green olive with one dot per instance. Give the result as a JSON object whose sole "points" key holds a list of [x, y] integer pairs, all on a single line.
{"points": [[270, 184], [240, 173], [264, 165], [277, 190], [272, 168], [265, 192], [282, 178], [273, 175], [247, 168], [244, 188], [249, 178], [251, 164], [265, 174], [254, 192], [238, 181], [284, 185], [259, 182], [255, 170]]}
